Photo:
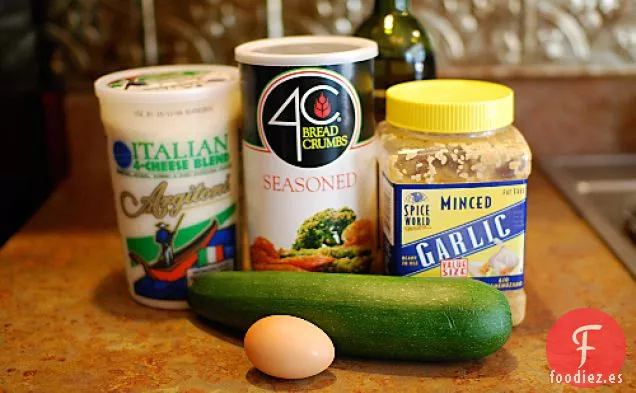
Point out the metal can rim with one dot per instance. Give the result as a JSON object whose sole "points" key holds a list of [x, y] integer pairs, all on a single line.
{"points": [[359, 49]]}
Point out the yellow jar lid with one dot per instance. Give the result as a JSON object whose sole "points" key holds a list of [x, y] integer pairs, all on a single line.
{"points": [[450, 106]]}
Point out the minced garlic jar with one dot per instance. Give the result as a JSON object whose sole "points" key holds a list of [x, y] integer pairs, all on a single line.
{"points": [[454, 176]]}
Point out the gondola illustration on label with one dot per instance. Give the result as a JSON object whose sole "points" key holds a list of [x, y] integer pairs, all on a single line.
{"points": [[165, 278]]}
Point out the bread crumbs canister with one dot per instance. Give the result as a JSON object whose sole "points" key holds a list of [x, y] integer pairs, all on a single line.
{"points": [[454, 176], [309, 153], [172, 135]]}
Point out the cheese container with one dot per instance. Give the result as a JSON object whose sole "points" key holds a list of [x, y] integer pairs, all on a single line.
{"points": [[172, 148]]}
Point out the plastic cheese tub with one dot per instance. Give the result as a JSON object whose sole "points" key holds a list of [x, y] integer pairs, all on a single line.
{"points": [[172, 146]]}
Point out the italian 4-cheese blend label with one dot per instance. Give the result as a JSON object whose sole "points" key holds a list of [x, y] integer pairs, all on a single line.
{"points": [[456, 230], [309, 168], [175, 199]]}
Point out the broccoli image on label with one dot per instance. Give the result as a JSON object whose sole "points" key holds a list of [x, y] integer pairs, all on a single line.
{"points": [[324, 229], [331, 240]]}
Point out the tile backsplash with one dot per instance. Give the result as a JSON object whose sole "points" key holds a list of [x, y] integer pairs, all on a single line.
{"points": [[533, 37]]}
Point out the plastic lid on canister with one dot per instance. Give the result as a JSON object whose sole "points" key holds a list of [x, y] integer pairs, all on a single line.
{"points": [[306, 51], [166, 83], [450, 106]]}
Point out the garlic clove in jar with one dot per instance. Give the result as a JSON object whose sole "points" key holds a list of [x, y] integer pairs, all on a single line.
{"points": [[503, 262], [478, 268]]}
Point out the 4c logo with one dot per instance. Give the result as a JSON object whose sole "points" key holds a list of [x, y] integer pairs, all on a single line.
{"points": [[586, 348], [309, 117]]}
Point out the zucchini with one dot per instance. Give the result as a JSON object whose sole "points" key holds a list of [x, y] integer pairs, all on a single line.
{"points": [[415, 318]]}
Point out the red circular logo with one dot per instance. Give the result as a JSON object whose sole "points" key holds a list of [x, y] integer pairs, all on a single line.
{"points": [[586, 348]]}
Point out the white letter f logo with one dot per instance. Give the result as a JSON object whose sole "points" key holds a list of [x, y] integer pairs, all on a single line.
{"points": [[584, 347]]}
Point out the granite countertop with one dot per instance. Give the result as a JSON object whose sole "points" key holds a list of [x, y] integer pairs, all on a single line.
{"points": [[67, 322]]}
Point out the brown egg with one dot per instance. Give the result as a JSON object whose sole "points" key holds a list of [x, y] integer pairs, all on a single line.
{"points": [[288, 347]]}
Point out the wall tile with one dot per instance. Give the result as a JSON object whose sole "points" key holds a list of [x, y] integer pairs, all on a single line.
{"points": [[546, 37], [502, 32], [583, 31], [207, 31], [92, 37]]}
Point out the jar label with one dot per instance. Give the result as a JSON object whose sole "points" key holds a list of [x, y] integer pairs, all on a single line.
{"points": [[176, 205], [151, 158], [472, 230]]}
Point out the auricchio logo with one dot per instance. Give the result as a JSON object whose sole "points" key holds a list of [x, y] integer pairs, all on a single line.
{"points": [[586, 348], [309, 117]]}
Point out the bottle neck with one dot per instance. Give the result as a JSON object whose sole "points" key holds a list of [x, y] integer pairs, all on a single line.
{"points": [[386, 6]]}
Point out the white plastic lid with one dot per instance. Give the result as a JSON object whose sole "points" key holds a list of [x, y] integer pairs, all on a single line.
{"points": [[306, 51], [166, 83]]}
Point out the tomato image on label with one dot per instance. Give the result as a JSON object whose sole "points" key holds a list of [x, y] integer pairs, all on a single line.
{"points": [[309, 117]]}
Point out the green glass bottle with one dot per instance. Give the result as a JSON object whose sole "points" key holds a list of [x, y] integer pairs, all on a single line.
{"points": [[406, 52]]}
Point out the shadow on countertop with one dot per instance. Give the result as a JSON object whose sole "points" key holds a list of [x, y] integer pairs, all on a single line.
{"points": [[111, 295], [217, 330], [500, 363], [263, 381], [538, 318]]}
